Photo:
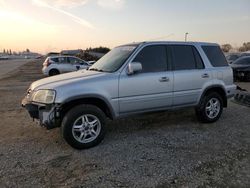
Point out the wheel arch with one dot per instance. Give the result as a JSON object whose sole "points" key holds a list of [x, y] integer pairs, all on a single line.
{"points": [[218, 89], [98, 101]]}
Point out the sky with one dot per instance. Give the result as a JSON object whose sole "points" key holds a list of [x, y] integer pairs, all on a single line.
{"points": [[54, 25]]}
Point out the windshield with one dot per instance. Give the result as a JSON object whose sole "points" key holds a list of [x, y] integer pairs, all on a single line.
{"points": [[232, 57], [242, 61], [113, 60]]}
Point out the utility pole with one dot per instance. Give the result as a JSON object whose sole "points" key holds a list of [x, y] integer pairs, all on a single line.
{"points": [[186, 35]]}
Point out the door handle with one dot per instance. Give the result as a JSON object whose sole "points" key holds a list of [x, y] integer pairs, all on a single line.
{"points": [[205, 75], [164, 79]]}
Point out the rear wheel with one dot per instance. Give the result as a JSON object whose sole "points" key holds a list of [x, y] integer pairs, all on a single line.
{"points": [[210, 108], [84, 126], [53, 72]]}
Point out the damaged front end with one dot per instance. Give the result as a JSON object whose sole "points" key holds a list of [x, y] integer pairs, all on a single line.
{"points": [[48, 115]]}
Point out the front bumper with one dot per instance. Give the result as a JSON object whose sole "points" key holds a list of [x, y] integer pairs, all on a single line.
{"points": [[47, 115]]}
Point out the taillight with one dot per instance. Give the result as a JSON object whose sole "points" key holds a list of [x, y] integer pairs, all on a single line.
{"points": [[46, 63]]}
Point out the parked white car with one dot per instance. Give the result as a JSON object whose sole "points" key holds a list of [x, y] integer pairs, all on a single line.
{"points": [[61, 64]]}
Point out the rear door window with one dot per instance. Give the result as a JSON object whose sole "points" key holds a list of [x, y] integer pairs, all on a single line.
{"points": [[215, 56], [186, 57], [199, 61]]}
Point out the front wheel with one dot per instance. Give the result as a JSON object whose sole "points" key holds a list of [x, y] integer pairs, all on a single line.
{"points": [[210, 108], [84, 126]]}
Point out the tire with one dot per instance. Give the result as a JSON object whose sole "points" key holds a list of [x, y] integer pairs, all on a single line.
{"points": [[53, 72], [208, 113], [78, 131]]}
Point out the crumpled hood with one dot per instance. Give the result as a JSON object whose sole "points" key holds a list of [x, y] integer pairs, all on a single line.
{"points": [[46, 83]]}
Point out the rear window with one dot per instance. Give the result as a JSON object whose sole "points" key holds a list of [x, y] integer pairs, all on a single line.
{"points": [[215, 56]]}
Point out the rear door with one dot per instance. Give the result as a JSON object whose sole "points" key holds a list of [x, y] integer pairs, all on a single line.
{"points": [[190, 74], [151, 88]]}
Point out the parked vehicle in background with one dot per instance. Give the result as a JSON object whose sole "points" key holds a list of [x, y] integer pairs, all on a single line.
{"points": [[62, 64], [241, 68], [232, 57], [91, 62], [4, 57], [50, 54], [131, 79], [245, 54]]}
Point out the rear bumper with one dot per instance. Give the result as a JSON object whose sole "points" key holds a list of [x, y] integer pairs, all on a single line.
{"points": [[47, 115], [45, 71]]}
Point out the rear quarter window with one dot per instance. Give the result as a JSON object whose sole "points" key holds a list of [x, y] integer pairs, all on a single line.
{"points": [[215, 56]]}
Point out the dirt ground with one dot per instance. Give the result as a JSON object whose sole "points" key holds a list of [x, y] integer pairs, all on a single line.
{"points": [[170, 149], [7, 66]]}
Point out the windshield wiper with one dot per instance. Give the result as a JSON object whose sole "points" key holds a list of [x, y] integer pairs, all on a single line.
{"points": [[95, 69]]}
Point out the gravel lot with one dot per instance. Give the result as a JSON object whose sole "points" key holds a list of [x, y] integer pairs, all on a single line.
{"points": [[7, 66], [156, 150]]}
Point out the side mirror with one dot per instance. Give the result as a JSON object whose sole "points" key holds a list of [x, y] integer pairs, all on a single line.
{"points": [[134, 67]]}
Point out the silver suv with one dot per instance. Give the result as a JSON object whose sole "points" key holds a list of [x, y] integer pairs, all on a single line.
{"points": [[55, 65], [131, 79]]}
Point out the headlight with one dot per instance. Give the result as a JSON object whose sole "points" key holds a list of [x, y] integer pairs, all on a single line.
{"points": [[44, 96]]}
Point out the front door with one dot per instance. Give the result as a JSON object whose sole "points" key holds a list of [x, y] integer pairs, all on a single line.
{"points": [[149, 89]]}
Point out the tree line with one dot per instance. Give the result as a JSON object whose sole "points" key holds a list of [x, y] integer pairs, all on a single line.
{"points": [[227, 47], [100, 49], [87, 56], [9, 52]]}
